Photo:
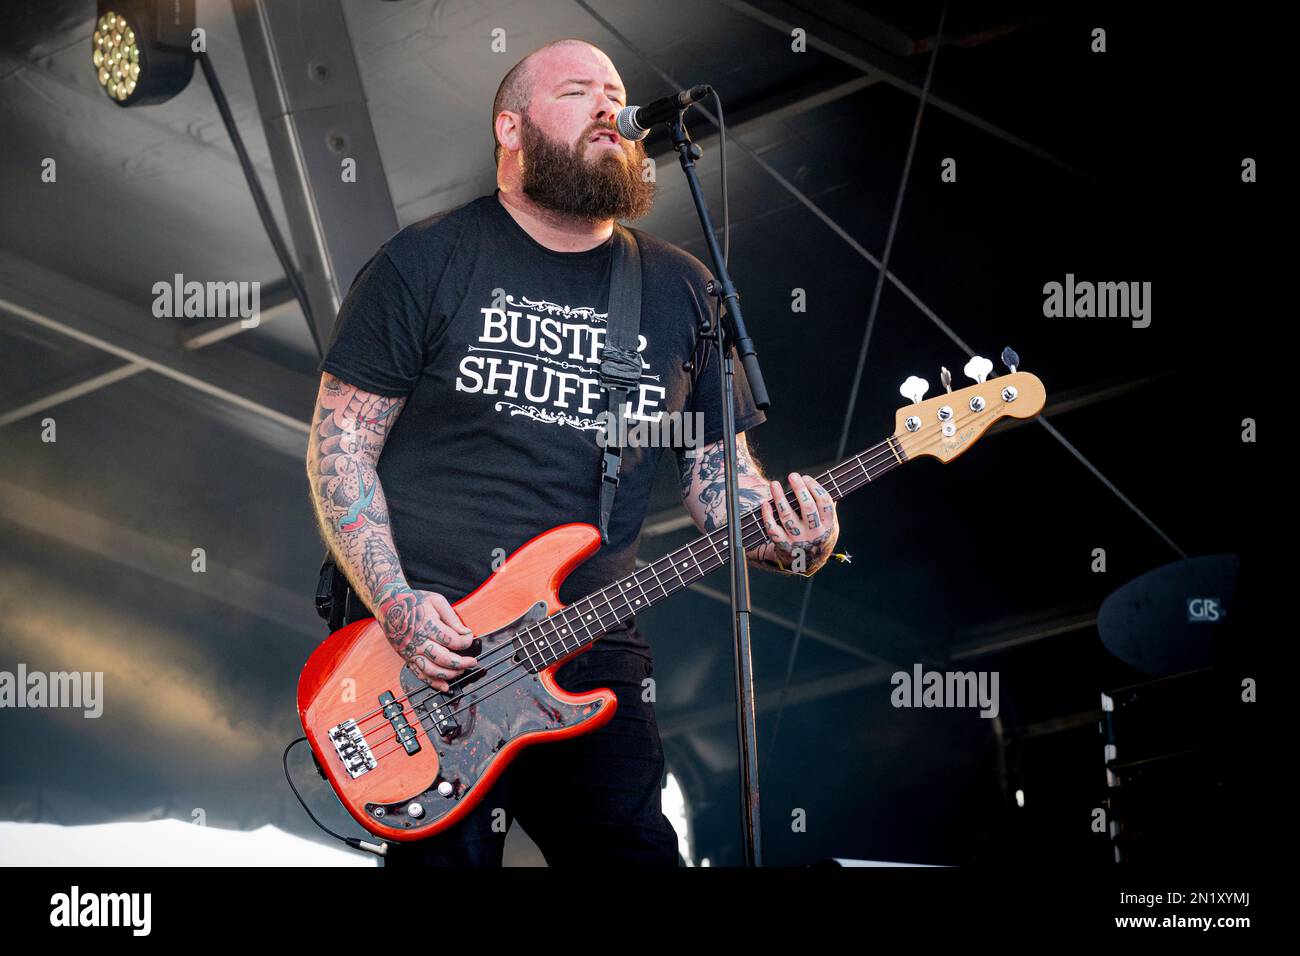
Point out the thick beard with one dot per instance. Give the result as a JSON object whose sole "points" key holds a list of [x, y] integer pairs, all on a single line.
{"points": [[569, 184]]}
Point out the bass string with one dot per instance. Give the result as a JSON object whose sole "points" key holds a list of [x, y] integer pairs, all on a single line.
{"points": [[534, 636], [888, 459]]}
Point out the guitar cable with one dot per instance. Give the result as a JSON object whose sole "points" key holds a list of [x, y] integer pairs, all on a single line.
{"points": [[378, 849]]}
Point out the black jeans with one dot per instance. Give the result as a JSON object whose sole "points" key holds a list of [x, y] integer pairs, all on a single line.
{"points": [[590, 799]]}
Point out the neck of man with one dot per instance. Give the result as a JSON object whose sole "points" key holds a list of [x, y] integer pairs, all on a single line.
{"points": [[556, 232]]}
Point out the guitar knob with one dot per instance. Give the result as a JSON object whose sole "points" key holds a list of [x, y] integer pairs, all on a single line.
{"points": [[415, 810], [445, 788], [914, 389], [978, 368], [1009, 358]]}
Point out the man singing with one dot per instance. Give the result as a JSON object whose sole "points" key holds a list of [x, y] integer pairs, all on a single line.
{"points": [[458, 417]]}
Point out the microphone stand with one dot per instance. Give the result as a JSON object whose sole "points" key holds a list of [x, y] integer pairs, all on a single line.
{"points": [[731, 336]]}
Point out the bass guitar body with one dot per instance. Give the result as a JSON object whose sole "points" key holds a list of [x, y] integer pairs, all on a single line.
{"points": [[408, 761]]}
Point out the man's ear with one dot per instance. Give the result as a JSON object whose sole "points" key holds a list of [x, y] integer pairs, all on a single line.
{"points": [[507, 130]]}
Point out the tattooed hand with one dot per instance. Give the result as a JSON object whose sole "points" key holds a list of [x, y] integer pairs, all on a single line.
{"points": [[424, 628], [800, 542]]}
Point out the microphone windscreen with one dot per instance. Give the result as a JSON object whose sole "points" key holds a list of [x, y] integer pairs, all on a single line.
{"points": [[625, 121]]}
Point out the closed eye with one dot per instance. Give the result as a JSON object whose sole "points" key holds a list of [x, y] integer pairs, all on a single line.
{"points": [[582, 92]]}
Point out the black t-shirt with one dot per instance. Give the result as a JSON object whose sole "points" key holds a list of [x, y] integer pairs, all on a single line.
{"points": [[496, 343]]}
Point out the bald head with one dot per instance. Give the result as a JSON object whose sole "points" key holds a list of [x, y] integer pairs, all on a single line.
{"points": [[516, 89]]}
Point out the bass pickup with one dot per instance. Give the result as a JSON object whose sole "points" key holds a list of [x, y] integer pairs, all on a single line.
{"points": [[405, 732]]}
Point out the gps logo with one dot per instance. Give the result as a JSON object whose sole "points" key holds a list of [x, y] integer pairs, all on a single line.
{"points": [[1204, 609]]}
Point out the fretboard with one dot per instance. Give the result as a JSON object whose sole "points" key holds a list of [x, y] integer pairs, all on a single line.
{"points": [[588, 619]]}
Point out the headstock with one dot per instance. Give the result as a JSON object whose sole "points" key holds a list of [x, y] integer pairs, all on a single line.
{"points": [[948, 424]]}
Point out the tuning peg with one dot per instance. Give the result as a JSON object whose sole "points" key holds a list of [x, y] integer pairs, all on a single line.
{"points": [[978, 368], [914, 389], [1009, 358], [945, 376]]}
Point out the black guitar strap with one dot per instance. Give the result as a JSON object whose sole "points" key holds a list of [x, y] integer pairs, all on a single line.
{"points": [[620, 368]]}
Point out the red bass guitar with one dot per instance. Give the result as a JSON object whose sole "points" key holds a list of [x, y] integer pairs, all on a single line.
{"points": [[408, 761]]}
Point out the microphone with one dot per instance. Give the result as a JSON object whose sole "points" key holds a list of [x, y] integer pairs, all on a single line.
{"points": [[634, 122]]}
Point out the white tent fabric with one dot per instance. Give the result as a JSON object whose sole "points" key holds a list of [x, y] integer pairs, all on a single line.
{"points": [[164, 843]]}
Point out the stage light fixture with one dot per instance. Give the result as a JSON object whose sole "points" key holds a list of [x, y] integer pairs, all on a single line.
{"points": [[140, 49], [143, 53]]}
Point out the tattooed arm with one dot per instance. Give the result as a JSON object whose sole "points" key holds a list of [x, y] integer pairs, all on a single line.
{"points": [[797, 542], [348, 433]]}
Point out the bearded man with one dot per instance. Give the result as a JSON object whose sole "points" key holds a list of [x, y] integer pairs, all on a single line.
{"points": [[458, 417]]}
